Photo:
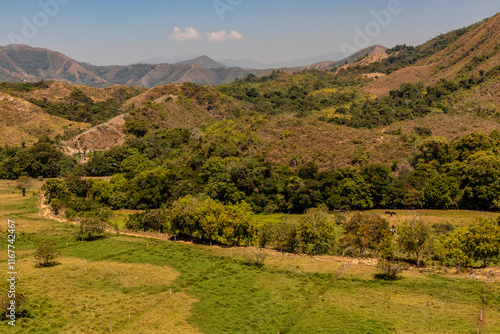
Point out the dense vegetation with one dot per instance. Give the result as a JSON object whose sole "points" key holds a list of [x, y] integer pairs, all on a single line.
{"points": [[81, 108], [43, 159], [222, 164]]}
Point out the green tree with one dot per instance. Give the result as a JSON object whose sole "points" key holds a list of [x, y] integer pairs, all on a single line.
{"points": [[484, 240], [476, 242], [482, 182], [365, 232], [441, 192], [379, 178], [101, 191], [138, 128], [435, 150], [55, 188], [414, 237], [346, 189], [220, 185], [210, 220], [316, 231], [91, 228], [281, 235], [473, 143]]}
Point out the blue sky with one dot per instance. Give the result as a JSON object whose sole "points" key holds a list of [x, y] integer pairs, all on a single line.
{"points": [[120, 32]]}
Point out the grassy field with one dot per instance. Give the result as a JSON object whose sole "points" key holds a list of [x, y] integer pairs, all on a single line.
{"points": [[127, 284], [457, 218]]}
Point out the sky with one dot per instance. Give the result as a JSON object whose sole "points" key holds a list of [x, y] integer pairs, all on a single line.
{"points": [[105, 32]]}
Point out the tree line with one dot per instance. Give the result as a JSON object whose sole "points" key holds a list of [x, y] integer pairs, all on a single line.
{"points": [[318, 231]]}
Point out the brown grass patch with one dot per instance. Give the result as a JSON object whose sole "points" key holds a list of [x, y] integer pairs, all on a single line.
{"points": [[86, 301]]}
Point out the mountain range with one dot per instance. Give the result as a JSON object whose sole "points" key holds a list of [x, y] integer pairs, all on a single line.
{"points": [[247, 63], [22, 63]]}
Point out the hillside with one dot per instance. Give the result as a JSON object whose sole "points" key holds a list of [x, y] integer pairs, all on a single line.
{"points": [[99, 138], [23, 122], [357, 57], [470, 51]]}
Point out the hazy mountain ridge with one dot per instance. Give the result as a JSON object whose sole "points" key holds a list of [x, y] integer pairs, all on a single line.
{"points": [[20, 63], [204, 61]]}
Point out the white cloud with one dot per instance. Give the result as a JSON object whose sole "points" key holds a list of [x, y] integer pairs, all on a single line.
{"points": [[222, 36], [189, 33]]}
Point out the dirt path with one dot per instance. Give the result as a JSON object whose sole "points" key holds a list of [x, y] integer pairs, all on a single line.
{"points": [[46, 212]]}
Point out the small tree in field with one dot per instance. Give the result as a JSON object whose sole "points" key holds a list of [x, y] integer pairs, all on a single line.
{"points": [[91, 228], [24, 182], [45, 254], [414, 237], [467, 245]]}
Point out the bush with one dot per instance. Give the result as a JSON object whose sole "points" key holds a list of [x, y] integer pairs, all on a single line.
{"points": [[256, 258], [390, 270], [91, 228]]}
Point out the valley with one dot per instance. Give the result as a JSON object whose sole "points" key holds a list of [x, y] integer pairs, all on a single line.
{"points": [[352, 196]]}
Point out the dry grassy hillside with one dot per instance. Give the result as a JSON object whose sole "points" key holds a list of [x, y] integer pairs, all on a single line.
{"points": [[475, 51], [289, 140], [157, 95], [21, 121], [101, 137]]}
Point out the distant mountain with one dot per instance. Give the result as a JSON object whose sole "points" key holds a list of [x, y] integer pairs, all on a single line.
{"points": [[25, 63], [153, 75], [245, 63], [203, 61], [165, 60], [369, 51]]}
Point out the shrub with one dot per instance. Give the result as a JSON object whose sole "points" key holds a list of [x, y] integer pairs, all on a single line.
{"points": [[256, 258], [91, 228], [45, 254], [390, 270]]}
